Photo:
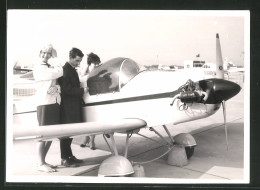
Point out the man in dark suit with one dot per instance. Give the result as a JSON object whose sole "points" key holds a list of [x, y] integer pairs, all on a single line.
{"points": [[71, 103]]}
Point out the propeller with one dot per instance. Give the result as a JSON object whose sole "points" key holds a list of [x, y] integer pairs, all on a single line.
{"points": [[231, 89], [223, 90], [219, 91]]}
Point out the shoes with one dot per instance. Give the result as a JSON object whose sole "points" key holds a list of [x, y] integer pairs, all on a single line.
{"points": [[92, 145], [82, 145], [93, 148], [73, 159], [45, 168], [68, 163], [51, 166]]}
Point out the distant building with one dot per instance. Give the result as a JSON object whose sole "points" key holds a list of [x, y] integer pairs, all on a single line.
{"points": [[188, 64], [22, 87], [210, 66]]}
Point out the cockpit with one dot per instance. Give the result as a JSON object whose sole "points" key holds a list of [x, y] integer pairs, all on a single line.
{"points": [[112, 75]]}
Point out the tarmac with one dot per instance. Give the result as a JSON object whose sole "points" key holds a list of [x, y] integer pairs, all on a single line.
{"points": [[212, 159]]}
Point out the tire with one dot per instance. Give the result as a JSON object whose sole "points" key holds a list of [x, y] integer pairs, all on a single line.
{"points": [[189, 151]]}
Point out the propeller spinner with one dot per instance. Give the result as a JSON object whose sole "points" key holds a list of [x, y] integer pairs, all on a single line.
{"points": [[219, 90]]}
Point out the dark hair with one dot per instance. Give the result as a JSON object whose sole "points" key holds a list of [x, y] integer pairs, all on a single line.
{"points": [[93, 58], [74, 52]]}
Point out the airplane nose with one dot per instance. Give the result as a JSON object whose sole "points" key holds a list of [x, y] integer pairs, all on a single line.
{"points": [[219, 90], [225, 89]]}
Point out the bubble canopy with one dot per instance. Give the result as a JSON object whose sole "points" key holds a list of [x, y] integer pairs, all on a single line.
{"points": [[112, 75]]}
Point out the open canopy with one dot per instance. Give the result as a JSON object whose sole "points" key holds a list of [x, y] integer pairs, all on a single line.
{"points": [[112, 75]]}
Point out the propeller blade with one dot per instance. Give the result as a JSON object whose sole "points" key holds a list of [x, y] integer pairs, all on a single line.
{"points": [[225, 121], [219, 60]]}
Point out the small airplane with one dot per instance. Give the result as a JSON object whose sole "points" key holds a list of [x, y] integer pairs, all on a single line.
{"points": [[172, 67], [209, 69], [228, 67], [21, 68], [123, 97], [28, 75]]}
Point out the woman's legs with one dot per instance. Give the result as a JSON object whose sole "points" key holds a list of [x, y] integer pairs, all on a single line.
{"points": [[46, 149], [42, 149], [46, 115], [85, 142], [92, 142], [89, 140]]}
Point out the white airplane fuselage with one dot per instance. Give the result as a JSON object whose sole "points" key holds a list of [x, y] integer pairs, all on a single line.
{"points": [[147, 96]]}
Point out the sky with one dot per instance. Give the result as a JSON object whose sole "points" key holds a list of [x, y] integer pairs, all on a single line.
{"points": [[148, 37]]}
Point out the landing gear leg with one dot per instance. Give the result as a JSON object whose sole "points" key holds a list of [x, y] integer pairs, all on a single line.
{"points": [[177, 155], [127, 143]]}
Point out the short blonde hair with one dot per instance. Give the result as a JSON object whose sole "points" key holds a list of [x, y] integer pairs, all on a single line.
{"points": [[48, 47]]}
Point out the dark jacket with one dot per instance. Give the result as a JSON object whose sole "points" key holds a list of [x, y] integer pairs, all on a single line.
{"points": [[71, 95]]}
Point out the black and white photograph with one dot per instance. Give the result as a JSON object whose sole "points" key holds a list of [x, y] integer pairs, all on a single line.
{"points": [[128, 96]]}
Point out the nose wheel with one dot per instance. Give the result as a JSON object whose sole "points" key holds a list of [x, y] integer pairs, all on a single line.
{"points": [[182, 146]]}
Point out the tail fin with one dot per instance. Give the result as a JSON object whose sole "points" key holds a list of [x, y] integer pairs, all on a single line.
{"points": [[219, 60]]}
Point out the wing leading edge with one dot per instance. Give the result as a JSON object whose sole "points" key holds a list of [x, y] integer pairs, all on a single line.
{"points": [[50, 132]]}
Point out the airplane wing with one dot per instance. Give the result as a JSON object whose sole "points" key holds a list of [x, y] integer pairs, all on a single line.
{"points": [[236, 70], [28, 75], [18, 69], [51, 132]]}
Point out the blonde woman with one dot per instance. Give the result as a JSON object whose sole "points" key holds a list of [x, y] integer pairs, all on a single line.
{"points": [[48, 99]]}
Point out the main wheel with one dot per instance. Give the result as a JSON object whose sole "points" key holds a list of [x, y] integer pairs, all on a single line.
{"points": [[189, 151]]}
